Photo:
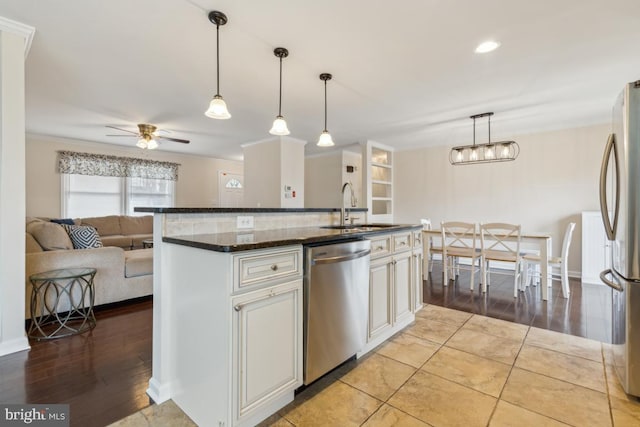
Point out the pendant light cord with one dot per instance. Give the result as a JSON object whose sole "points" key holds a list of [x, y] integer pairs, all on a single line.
{"points": [[474, 131], [489, 129], [325, 105], [217, 60], [280, 98]]}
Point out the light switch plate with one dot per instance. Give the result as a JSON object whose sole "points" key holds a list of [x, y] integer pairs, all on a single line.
{"points": [[245, 222]]}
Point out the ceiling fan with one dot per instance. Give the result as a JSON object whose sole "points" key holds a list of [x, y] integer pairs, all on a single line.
{"points": [[147, 136]]}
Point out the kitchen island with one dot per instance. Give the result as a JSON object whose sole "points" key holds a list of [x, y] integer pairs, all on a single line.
{"points": [[228, 324]]}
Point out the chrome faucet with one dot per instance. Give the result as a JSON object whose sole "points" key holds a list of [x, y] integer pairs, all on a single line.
{"points": [[353, 200]]}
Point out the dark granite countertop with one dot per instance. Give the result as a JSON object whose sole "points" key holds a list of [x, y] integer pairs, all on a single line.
{"points": [[247, 240], [240, 210]]}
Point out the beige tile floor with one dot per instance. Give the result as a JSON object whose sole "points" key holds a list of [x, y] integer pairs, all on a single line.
{"points": [[452, 368]]}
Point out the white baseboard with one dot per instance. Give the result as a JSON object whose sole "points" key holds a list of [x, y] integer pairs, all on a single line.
{"points": [[14, 346], [158, 392]]}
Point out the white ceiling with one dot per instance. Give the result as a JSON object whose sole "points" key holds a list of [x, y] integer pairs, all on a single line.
{"points": [[405, 73]]}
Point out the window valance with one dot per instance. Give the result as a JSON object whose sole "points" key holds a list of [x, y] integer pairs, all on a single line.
{"points": [[102, 165]]}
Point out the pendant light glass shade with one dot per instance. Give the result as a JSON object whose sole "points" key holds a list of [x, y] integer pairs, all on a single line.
{"points": [[503, 151], [325, 139], [217, 107], [279, 127], [279, 124], [147, 143]]}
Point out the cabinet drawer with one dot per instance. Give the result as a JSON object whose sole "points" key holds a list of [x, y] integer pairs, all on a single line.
{"points": [[380, 246], [266, 266], [402, 242]]}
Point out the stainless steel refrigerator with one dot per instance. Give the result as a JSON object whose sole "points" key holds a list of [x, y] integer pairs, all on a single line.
{"points": [[620, 207]]}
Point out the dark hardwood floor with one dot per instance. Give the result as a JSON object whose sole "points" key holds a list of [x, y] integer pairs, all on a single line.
{"points": [[586, 313], [103, 374]]}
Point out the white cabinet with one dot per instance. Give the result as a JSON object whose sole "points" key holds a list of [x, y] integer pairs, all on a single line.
{"points": [[392, 286], [266, 346], [595, 247], [236, 332], [380, 290]]}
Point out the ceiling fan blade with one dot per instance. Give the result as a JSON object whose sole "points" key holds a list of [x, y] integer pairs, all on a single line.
{"points": [[184, 141], [123, 130], [128, 136]]}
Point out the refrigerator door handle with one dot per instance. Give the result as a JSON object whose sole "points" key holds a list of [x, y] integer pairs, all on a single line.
{"points": [[611, 284], [604, 209]]}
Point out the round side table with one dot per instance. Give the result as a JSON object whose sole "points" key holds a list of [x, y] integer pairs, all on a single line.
{"points": [[61, 303], [147, 243]]}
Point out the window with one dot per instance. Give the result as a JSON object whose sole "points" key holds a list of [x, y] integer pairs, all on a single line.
{"points": [[98, 185], [148, 192], [88, 196]]}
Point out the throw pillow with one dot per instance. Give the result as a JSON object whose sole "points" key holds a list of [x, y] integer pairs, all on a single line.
{"points": [[83, 236], [67, 221], [49, 236]]}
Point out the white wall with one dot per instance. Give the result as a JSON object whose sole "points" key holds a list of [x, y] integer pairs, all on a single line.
{"points": [[197, 184], [323, 180], [269, 165], [553, 180], [12, 187]]}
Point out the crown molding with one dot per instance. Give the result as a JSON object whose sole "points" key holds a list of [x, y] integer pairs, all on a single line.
{"points": [[20, 29]]}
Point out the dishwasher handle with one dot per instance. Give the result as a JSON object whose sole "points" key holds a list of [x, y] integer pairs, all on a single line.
{"points": [[341, 258]]}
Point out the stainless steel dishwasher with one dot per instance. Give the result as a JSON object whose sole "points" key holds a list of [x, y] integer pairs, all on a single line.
{"points": [[336, 299]]}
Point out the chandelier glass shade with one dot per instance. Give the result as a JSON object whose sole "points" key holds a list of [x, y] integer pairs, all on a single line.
{"points": [[217, 107], [502, 151]]}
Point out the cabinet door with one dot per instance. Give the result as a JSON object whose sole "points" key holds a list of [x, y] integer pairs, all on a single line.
{"points": [[380, 285], [416, 278], [403, 286], [595, 248], [267, 347]]}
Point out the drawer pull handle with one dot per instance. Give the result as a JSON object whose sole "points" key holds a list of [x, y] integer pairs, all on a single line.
{"points": [[403, 243], [274, 267], [379, 248]]}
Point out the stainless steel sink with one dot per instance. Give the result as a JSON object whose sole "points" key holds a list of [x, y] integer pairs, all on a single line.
{"points": [[358, 227]]}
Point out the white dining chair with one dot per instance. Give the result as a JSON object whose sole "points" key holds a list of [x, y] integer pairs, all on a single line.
{"points": [[433, 248], [532, 263], [501, 242], [459, 240]]}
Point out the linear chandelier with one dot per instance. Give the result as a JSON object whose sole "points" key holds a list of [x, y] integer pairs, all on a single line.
{"points": [[502, 151]]}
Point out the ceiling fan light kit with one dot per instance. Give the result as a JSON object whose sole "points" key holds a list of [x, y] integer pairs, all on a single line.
{"points": [[325, 139], [147, 136], [502, 151], [217, 107], [279, 124]]}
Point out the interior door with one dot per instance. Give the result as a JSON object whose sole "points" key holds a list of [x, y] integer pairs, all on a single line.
{"points": [[230, 190]]}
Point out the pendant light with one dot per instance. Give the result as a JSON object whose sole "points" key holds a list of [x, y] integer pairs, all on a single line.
{"points": [[325, 137], [503, 151], [279, 125], [217, 106]]}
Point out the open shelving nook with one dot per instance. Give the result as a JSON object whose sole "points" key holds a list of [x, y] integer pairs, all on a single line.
{"points": [[378, 178]]}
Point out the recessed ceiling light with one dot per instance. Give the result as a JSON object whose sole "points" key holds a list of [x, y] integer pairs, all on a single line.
{"points": [[487, 46]]}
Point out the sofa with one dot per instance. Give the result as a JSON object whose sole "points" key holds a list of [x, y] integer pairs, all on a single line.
{"points": [[123, 272]]}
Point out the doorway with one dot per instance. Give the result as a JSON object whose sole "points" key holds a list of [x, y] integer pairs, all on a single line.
{"points": [[230, 190]]}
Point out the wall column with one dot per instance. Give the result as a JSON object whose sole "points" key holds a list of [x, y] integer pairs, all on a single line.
{"points": [[15, 40]]}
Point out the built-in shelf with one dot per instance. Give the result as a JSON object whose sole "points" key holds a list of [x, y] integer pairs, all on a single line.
{"points": [[378, 167]]}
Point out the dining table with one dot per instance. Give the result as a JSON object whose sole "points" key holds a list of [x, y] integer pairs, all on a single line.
{"points": [[539, 240]]}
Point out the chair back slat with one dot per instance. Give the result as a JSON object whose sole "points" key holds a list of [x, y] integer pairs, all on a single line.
{"points": [[501, 237], [566, 242], [460, 235]]}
